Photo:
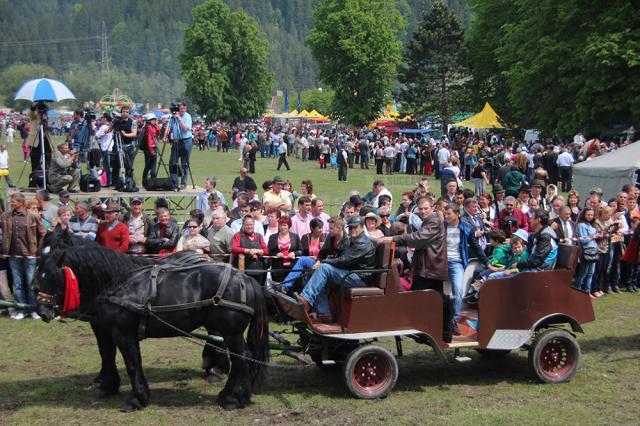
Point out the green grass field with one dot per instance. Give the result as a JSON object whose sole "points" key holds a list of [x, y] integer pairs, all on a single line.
{"points": [[46, 369]]}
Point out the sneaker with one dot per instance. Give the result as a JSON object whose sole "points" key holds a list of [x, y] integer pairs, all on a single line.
{"points": [[455, 329], [35, 316], [17, 316]]}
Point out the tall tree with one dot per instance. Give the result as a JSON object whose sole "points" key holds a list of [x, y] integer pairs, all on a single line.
{"points": [[224, 63], [355, 43], [435, 69], [562, 66]]}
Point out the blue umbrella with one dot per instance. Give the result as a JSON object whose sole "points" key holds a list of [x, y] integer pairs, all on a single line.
{"points": [[44, 89]]}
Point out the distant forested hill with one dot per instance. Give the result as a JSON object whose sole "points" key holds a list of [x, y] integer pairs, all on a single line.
{"points": [[144, 36]]}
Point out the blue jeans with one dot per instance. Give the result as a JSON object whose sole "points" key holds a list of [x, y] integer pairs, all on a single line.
{"points": [[456, 277], [22, 271], [180, 150], [315, 291], [585, 275], [304, 262], [264, 150]]}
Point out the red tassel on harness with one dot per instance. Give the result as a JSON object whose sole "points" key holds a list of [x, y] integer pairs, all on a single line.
{"points": [[71, 294]]}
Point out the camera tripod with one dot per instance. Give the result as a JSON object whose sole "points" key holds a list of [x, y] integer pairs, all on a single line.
{"points": [[175, 153], [41, 137]]}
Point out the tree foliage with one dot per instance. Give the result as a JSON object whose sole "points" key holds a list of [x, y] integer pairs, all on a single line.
{"points": [[434, 72], [558, 66], [355, 43], [224, 63]]}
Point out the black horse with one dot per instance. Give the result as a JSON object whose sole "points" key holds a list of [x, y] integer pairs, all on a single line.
{"points": [[106, 279], [215, 362]]}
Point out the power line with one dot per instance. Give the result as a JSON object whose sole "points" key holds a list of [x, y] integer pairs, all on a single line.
{"points": [[43, 42]]}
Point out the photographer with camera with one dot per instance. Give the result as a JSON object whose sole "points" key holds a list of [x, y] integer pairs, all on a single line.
{"points": [[105, 140], [125, 133], [182, 142], [64, 169], [82, 133]]}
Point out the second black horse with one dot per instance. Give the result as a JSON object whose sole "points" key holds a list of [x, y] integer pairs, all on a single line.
{"points": [[106, 277]]}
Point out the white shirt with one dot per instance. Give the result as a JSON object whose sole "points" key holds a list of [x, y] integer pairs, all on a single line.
{"points": [[105, 139], [4, 159], [443, 156], [565, 160], [453, 243]]}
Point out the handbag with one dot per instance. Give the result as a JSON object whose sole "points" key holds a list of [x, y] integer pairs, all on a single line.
{"points": [[590, 254]]}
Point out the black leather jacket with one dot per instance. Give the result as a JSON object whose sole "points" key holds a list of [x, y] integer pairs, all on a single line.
{"points": [[540, 247], [358, 253], [155, 242]]}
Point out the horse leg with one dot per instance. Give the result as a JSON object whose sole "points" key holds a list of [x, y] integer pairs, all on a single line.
{"points": [[237, 391], [215, 362], [107, 382], [130, 350]]}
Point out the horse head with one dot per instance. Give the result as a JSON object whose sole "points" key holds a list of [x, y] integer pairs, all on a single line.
{"points": [[60, 239], [49, 283]]}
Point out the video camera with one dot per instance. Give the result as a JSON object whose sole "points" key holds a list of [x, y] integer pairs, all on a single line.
{"points": [[89, 115], [117, 122], [174, 107]]}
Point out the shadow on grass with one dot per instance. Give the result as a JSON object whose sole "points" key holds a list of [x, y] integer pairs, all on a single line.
{"points": [[611, 344], [176, 388]]}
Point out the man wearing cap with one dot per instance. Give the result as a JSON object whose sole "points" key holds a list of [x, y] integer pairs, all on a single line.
{"points": [[277, 197], [112, 233], [64, 169], [138, 225], [202, 202], [242, 182], [358, 254], [63, 198], [220, 235], [536, 192], [523, 198], [83, 225]]}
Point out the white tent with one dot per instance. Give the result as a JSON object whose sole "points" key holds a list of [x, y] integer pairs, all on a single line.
{"points": [[609, 172]]}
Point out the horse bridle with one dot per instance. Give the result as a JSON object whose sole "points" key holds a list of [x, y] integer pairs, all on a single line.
{"points": [[47, 299]]}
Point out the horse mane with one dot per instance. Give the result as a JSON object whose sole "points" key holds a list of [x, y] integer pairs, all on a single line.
{"points": [[99, 268]]}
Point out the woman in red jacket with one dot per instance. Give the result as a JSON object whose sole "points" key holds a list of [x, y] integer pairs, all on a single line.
{"points": [[112, 233], [148, 145]]}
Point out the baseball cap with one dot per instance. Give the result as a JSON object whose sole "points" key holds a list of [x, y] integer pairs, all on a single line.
{"points": [[136, 200], [355, 221], [522, 234]]}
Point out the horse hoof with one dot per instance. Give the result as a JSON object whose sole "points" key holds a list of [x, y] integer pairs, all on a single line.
{"points": [[213, 378], [228, 403], [131, 405]]}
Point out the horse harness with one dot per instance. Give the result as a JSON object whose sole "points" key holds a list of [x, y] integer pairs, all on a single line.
{"points": [[217, 300]]}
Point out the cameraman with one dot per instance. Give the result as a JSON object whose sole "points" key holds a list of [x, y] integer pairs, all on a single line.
{"points": [[182, 143], [125, 133], [64, 169], [82, 133]]}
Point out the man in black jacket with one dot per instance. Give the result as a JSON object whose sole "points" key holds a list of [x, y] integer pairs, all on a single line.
{"points": [[542, 246], [164, 234], [358, 254]]}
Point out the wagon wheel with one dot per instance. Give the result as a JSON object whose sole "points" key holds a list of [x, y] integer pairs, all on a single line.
{"points": [[493, 353], [370, 372], [554, 356]]}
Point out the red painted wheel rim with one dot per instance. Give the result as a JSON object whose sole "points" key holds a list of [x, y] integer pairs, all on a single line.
{"points": [[371, 373], [557, 358]]}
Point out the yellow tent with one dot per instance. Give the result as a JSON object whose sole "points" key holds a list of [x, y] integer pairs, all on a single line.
{"points": [[304, 113], [315, 114], [485, 119]]}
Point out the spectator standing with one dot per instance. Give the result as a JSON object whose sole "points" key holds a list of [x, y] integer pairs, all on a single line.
{"points": [[22, 233], [282, 155], [585, 231], [4, 165], [182, 140], [104, 135], [565, 162]]}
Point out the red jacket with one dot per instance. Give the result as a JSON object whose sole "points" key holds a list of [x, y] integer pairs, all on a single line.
{"points": [[151, 138], [522, 223], [236, 243], [116, 239]]}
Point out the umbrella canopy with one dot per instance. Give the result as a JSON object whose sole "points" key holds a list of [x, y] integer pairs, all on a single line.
{"points": [[485, 119], [44, 89]]}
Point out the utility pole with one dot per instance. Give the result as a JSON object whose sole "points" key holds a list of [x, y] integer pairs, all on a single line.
{"points": [[104, 53]]}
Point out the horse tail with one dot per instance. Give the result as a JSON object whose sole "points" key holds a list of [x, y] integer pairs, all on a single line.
{"points": [[258, 338]]}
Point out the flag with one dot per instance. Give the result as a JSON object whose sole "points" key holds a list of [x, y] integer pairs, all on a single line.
{"points": [[286, 100], [299, 104]]}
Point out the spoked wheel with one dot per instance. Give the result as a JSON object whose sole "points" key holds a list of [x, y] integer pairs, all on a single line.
{"points": [[554, 356], [371, 372]]}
